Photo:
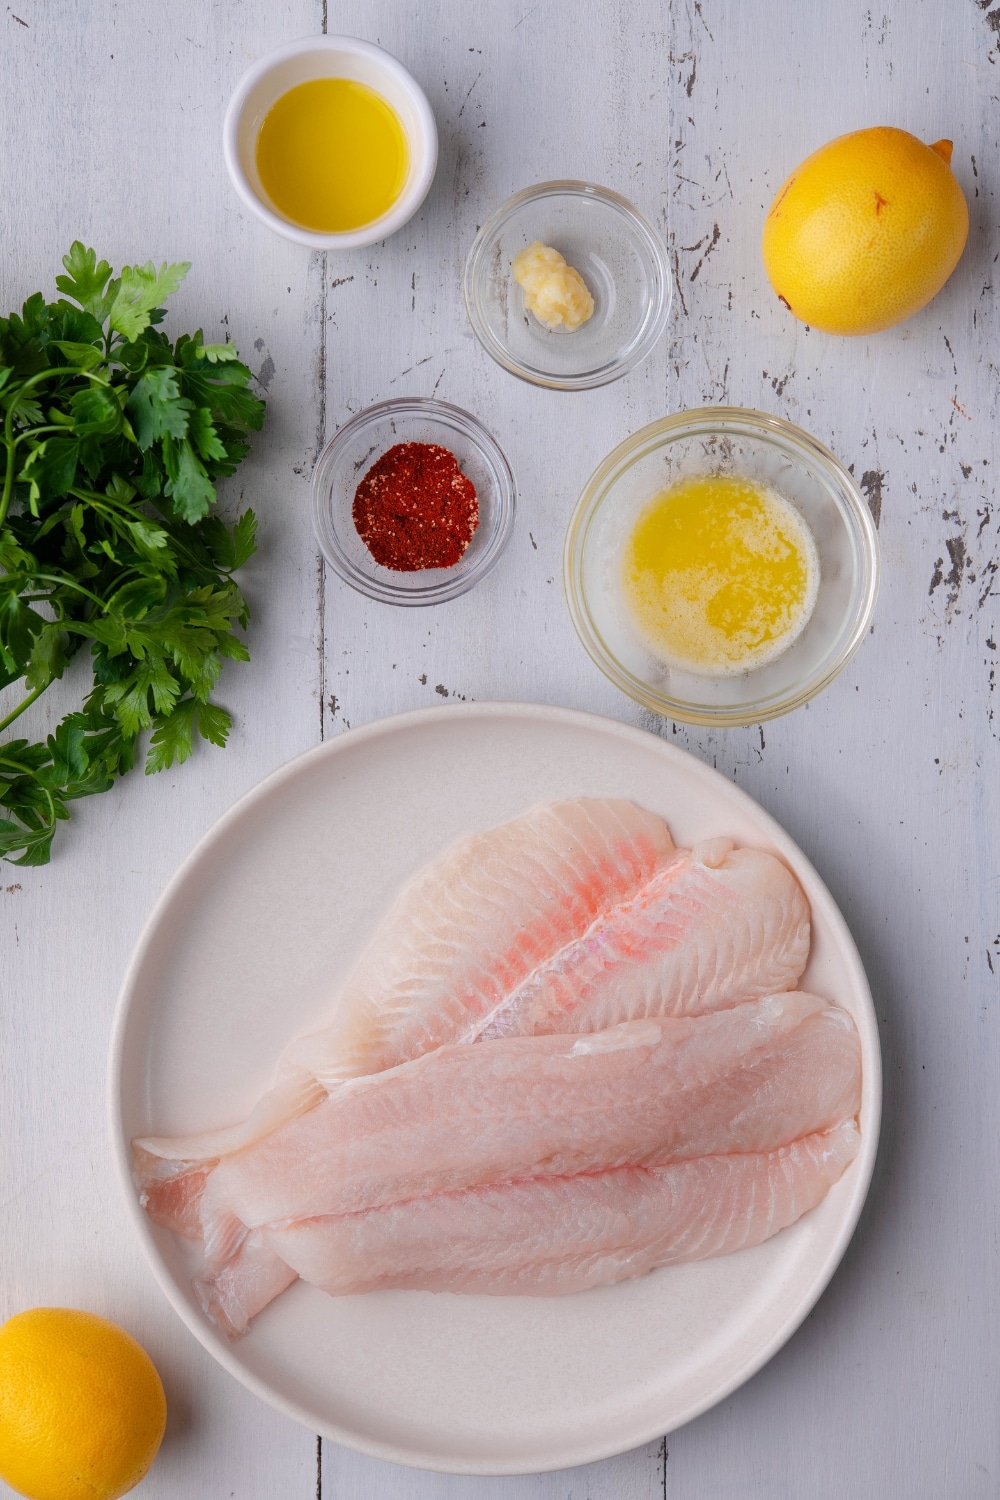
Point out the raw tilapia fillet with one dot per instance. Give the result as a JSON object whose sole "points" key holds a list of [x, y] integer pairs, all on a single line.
{"points": [[698, 930], [252, 1279], [749, 1079], [556, 1235], [714, 926], [465, 932]]}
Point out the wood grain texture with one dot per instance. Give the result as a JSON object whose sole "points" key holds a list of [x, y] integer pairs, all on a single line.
{"points": [[112, 118], [886, 780], [696, 111]]}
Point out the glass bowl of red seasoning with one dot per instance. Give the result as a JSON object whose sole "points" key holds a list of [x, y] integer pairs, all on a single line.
{"points": [[413, 502]]}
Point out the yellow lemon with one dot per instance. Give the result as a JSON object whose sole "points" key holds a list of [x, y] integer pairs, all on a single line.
{"points": [[82, 1409], [866, 231]]}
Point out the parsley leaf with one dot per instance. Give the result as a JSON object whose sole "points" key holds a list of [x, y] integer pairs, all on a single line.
{"points": [[111, 439], [157, 408], [141, 289], [188, 483], [87, 281], [173, 736]]}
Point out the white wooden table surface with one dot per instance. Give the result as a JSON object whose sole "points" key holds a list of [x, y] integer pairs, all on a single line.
{"points": [[696, 111]]}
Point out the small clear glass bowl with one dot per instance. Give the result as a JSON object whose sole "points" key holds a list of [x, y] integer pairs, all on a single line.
{"points": [[721, 439], [618, 255], [347, 458]]}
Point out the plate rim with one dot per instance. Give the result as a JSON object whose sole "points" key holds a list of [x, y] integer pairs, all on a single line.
{"points": [[597, 1449]]}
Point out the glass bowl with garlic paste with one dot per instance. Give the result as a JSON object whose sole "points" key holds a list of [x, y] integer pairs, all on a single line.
{"points": [[721, 566], [585, 252]]}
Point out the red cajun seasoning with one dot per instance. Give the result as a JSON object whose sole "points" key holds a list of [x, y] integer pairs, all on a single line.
{"points": [[415, 508]]}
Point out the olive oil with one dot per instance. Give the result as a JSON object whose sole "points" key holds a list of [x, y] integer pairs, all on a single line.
{"points": [[332, 155], [719, 574]]}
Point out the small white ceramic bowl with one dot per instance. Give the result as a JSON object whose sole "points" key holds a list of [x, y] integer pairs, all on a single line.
{"points": [[328, 57]]}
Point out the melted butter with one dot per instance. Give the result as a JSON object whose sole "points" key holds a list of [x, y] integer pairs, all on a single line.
{"points": [[719, 574], [332, 155]]}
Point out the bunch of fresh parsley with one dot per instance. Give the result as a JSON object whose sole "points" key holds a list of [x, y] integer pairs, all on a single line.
{"points": [[112, 438]]}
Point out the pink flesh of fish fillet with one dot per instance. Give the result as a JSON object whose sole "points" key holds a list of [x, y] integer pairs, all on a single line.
{"points": [[467, 930], [704, 930], [603, 1154], [545, 1236], [715, 926], [556, 1235], [644, 1093]]}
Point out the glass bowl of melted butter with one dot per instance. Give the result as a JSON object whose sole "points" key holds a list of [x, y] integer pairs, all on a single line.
{"points": [[721, 567]]}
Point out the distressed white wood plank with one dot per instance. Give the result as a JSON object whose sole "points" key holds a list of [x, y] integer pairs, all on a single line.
{"points": [[508, 118], [886, 780], [112, 114], [634, 1476]]}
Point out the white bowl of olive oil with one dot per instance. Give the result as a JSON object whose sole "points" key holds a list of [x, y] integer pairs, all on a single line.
{"points": [[331, 142], [721, 567]]}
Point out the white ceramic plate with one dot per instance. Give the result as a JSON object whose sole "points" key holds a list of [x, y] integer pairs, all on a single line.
{"points": [[244, 951]]}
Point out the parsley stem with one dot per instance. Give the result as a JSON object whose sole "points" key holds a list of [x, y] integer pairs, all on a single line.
{"points": [[29, 385], [33, 432], [10, 441], [104, 504], [8, 482], [64, 582], [80, 492], [110, 506], [19, 710]]}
